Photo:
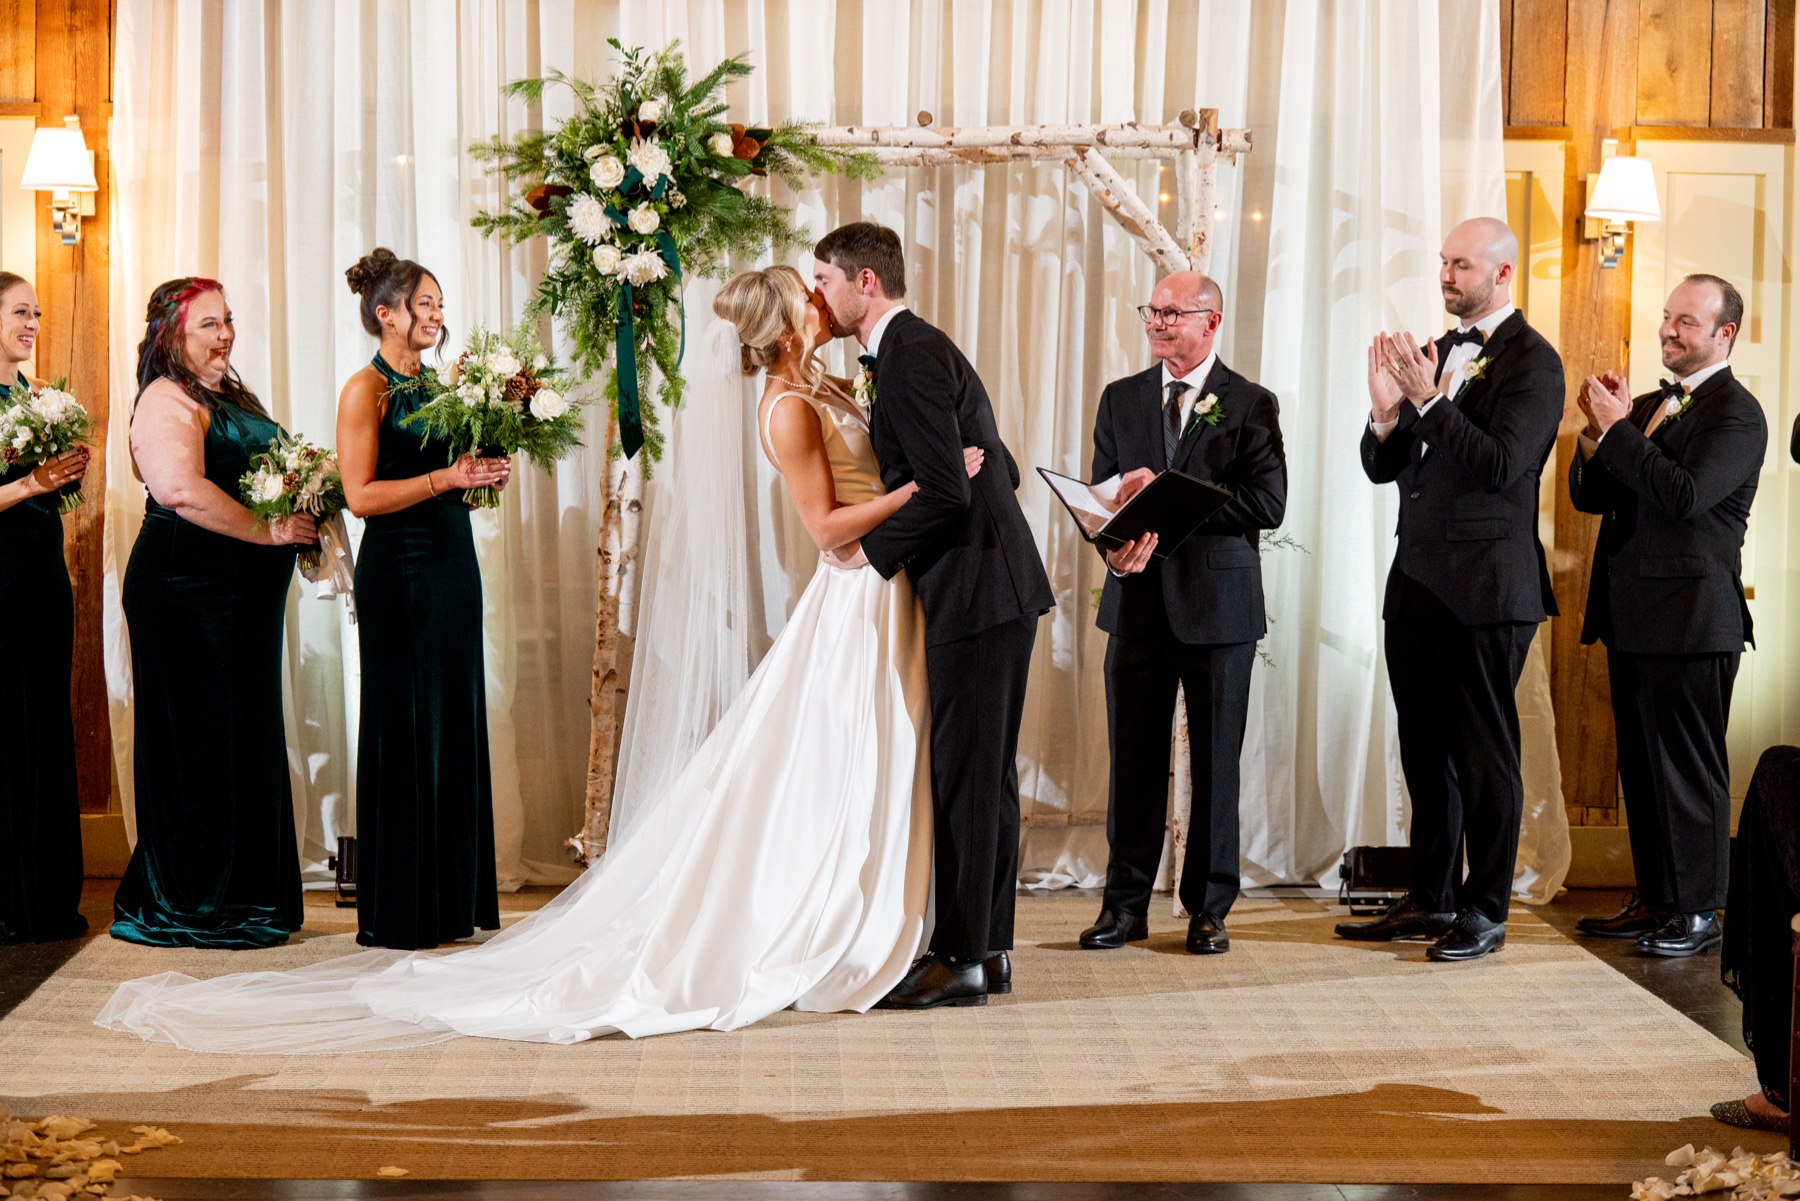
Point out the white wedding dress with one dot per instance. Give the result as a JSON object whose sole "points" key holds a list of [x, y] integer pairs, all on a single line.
{"points": [[787, 865]]}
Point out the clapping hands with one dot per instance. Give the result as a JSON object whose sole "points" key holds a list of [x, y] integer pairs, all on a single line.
{"points": [[1604, 400], [1413, 371]]}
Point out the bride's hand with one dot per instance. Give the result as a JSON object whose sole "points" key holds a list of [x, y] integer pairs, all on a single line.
{"points": [[972, 459]]}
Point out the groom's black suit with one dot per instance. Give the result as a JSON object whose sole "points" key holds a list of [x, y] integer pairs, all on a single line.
{"points": [[1466, 593], [970, 554]]}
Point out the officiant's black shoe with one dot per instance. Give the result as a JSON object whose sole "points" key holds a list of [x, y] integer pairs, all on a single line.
{"points": [[1115, 930], [934, 981], [1206, 935], [1683, 934], [1405, 918], [1471, 937], [998, 967], [1635, 920]]}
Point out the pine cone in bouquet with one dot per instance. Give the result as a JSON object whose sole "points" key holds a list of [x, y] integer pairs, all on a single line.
{"points": [[521, 388]]}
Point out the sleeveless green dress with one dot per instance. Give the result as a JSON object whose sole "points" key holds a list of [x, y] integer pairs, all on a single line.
{"points": [[424, 799], [40, 813], [216, 862]]}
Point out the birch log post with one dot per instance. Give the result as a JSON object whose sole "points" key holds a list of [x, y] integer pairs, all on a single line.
{"points": [[622, 501], [1118, 198]]}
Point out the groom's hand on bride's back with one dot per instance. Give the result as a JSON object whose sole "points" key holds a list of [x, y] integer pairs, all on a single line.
{"points": [[973, 457], [847, 557]]}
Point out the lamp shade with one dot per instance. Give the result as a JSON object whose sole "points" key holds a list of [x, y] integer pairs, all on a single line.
{"points": [[59, 162], [1626, 191]]}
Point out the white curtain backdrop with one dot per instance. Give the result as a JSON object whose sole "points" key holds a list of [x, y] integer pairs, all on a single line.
{"points": [[271, 145]]}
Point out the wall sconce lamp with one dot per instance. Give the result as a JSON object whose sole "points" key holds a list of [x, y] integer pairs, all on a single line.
{"points": [[1625, 191], [61, 163]]}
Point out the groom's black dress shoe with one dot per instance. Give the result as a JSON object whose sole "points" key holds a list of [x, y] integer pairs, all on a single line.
{"points": [[1115, 930], [998, 967], [1683, 934], [1635, 920], [1206, 935], [1405, 918], [1471, 937], [933, 981]]}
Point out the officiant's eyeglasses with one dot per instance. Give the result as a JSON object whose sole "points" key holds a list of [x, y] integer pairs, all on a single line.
{"points": [[1154, 316]]}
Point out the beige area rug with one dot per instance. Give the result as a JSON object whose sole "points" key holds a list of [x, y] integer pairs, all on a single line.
{"points": [[1296, 1057]]}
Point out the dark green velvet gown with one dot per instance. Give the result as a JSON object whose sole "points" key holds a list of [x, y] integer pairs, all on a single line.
{"points": [[216, 863], [40, 815], [424, 800]]}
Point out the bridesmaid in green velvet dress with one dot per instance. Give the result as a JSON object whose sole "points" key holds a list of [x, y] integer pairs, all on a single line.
{"points": [[216, 862], [424, 801], [40, 818]]}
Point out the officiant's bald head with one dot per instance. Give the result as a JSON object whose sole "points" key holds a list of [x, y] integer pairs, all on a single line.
{"points": [[1476, 267]]}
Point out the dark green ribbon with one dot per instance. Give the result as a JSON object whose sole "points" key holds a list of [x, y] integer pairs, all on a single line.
{"points": [[631, 421]]}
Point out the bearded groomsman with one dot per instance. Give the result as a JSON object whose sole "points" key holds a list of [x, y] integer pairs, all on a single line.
{"points": [[1463, 428], [1673, 473], [1192, 618]]}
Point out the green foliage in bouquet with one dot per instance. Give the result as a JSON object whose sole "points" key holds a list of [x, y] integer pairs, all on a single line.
{"points": [[643, 185], [36, 426], [293, 476], [504, 395]]}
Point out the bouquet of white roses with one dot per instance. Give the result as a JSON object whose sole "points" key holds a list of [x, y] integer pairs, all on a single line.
{"points": [[503, 396], [37, 425], [294, 476]]}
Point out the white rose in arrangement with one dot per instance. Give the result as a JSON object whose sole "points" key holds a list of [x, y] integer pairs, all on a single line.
{"points": [[646, 266], [607, 172], [720, 144], [539, 363], [644, 220], [266, 488], [650, 110], [54, 406], [502, 363], [593, 152], [547, 404], [607, 258], [587, 217], [651, 160]]}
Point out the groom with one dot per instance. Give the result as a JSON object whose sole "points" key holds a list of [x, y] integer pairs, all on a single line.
{"points": [[977, 573]]}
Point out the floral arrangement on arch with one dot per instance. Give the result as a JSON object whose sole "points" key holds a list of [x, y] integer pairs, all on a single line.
{"points": [[642, 186]]}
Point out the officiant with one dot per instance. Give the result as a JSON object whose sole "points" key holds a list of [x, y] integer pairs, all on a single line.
{"points": [[1192, 618]]}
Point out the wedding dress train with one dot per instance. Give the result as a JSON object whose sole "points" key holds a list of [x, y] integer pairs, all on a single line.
{"points": [[787, 865]]}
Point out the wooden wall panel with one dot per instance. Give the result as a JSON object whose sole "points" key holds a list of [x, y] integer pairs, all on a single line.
{"points": [[1737, 63], [74, 75], [1538, 42], [1778, 65], [1674, 62], [18, 49]]}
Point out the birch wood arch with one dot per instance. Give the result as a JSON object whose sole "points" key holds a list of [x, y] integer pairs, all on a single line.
{"points": [[1197, 144]]}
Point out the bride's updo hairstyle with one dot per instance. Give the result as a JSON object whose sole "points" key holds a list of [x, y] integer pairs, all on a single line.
{"points": [[765, 306], [385, 280]]}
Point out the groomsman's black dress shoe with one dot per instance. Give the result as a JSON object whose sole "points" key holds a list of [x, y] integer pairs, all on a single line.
{"points": [[1635, 920], [1206, 935], [1683, 934], [998, 967], [1115, 930], [933, 981], [1471, 937], [1405, 918]]}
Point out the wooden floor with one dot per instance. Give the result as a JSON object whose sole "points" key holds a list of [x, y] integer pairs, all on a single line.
{"points": [[1692, 987]]}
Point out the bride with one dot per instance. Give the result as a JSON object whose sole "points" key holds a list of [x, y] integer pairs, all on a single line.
{"points": [[787, 864]]}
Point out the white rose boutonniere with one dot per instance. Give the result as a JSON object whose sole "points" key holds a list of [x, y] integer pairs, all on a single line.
{"points": [[865, 388], [1477, 369], [1207, 412]]}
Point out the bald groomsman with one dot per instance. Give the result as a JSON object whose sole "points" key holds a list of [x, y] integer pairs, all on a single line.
{"points": [[1463, 427], [1673, 472], [1192, 618]]}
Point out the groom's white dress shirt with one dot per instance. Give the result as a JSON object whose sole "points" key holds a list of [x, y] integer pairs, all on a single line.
{"points": [[874, 346]]}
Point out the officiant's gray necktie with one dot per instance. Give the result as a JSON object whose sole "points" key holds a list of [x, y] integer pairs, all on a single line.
{"points": [[1172, 421]]}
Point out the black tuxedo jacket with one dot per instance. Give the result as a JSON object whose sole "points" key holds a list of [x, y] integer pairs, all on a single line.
{"points": [[1666, 577], [964, 542], [1209, 590], [1468, 509]]}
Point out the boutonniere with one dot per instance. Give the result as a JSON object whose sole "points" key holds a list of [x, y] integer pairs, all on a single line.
{"points": [[1687, 402], [865, 388], [1477, 369], [1207, 412]]}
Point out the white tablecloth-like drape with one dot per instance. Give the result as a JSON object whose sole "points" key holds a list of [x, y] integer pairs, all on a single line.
{"points": [[271, 155]]}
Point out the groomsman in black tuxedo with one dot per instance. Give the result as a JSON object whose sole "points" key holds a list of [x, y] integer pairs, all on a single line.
{"points": [[1673, 472], [1463, 428], [1192, 618]]}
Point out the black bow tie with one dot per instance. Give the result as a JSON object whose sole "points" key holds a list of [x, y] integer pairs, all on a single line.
{"points": [[1457, 337], [1671, 390], [868, 362]]}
